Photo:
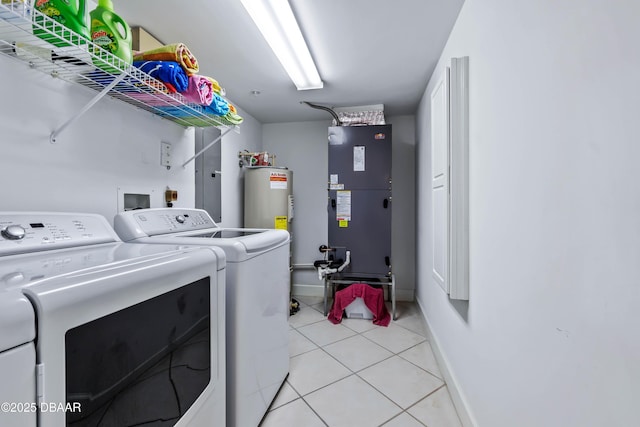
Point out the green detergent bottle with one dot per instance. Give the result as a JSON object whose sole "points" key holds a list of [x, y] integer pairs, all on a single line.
{"points": [[63, 15], [111, 33]]}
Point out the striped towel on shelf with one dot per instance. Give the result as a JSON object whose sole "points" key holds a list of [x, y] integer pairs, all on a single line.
{"points": [[199, 90], [177, 52], [168, 72], [220, 111]]}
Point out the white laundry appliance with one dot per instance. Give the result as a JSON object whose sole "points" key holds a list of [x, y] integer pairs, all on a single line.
{"points": [[104, 333], [17, 360], [257, 292]]}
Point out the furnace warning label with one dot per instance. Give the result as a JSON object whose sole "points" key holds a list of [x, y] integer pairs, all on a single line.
{"points": [[333, 182], [278, 181], [358, 158], [343, 205]]}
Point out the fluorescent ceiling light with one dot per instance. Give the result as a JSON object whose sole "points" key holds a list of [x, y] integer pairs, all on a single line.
{"points": [[278, 26]]}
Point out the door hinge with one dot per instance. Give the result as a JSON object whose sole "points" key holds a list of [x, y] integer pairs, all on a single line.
{"points": [[40, 383]]}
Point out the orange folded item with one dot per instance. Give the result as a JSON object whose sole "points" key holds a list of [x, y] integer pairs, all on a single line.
{"points": [[177, 52]]}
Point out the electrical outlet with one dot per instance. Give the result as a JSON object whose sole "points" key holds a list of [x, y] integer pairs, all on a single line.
{"points": [[165, 154]]}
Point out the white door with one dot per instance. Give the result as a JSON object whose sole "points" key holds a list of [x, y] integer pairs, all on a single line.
{"points": [[440, 179]]}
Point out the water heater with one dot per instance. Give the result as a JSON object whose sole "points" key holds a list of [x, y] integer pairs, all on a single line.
{"points": [[268, 197]]}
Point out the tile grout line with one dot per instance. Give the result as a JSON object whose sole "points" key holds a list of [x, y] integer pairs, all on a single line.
{"points": [[301, 397], [417, 366], [356, 372], [396, 403]]}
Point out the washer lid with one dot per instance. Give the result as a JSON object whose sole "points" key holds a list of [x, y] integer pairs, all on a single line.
{"points": [[236, 249], [17, 320]]}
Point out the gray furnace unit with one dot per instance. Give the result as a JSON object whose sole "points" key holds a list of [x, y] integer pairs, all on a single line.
{"points": [[360, 198]]}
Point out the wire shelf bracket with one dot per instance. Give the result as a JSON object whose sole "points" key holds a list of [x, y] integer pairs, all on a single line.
{"points": [[211, 144], [73, 59], [98, 97]]}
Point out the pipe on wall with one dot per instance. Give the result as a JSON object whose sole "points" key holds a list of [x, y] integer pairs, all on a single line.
{"points": [[323, 108]]}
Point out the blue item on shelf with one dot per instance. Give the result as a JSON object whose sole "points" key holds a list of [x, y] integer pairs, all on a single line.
{"points": [[168, 72]]}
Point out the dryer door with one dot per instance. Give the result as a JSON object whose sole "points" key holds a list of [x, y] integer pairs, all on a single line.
{"points": [[17, 361], [131, 342]]}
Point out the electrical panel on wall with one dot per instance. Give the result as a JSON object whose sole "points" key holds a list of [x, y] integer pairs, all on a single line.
{"points": [[208, 173]]}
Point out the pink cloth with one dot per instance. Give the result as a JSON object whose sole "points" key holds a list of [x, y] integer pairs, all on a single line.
{"points": [[373, 299], [199, 91]]}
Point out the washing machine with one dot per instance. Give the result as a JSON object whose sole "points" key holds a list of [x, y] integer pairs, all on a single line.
{"points": [[97, 332], [17, 360], [257, 292]]}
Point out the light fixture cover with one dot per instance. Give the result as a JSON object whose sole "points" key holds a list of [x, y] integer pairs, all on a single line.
{"points": [[280, 29]]}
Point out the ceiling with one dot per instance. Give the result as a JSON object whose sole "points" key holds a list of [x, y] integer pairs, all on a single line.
{"points": [[367, 51]]}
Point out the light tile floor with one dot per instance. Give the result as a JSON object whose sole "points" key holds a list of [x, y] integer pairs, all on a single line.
{"points": [[357, 374]]}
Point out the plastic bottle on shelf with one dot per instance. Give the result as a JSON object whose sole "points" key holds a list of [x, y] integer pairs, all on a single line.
{"points": [[63, 15], [110, 32], [17, 10]]}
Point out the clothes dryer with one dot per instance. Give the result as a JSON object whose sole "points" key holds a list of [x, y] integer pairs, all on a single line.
{"points": [[125, 334], [17, 360], [257, 293]]}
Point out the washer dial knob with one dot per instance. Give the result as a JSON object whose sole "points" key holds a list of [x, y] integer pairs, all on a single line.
{"points": [[13, 232], [180, 219]]}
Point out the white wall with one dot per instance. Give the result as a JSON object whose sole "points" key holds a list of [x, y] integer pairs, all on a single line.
{"points": [[550, 334], [249, 138], [403, 236], [112, 146], [302, 147]]}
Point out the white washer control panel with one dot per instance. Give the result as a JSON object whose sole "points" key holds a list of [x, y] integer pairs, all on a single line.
{"points": [[13, 232], [29, 232], [163, 221]]}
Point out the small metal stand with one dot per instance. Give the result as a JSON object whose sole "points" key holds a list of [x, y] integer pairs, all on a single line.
{"points": [[388, 281]]}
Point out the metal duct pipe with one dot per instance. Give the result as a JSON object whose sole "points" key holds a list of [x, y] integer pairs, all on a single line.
{"points": [[327, 109], [303, 267]]}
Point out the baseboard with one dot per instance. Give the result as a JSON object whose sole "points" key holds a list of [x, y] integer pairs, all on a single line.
{"points": [[306, 290], [457, 396], [405, 295]]}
